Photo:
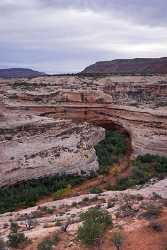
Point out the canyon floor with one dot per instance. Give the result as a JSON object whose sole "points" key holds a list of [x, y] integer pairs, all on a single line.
{"points": [[51, 125]]}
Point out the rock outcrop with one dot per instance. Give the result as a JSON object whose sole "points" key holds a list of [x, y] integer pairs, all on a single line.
{"points": [[33, 147], [29, 144], [129, 66], [64, 211]]}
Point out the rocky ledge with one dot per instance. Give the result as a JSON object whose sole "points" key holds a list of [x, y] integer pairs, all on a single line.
{"points": [[31, 147], [34, 143], [126, 208]]}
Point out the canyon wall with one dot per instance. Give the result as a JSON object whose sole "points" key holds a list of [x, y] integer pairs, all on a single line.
{"points": [[33, 147], [137, 104]]}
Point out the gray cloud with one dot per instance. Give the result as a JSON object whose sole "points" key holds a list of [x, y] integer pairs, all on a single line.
{"points": [[152, 12], [65, 36]]}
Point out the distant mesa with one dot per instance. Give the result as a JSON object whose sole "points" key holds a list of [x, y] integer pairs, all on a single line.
{"points": [[129, 66], [19, 73]]}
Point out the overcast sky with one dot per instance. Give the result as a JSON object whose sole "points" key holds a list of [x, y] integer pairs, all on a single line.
{"points": [[58, 36]]}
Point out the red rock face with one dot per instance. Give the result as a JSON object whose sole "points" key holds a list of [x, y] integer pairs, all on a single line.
{"points": [[130, 66], [137, 104]]}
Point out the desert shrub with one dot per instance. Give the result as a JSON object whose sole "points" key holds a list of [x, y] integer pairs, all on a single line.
{"points": [[74, 204], [90, 232], [152, 211], [96, 190], [95, 221], [115, 171], [98, 215], [58, 223], [14, 227], [47, 210], [110, 150], [61, 192], [110, 204], [55, 238], [157, 164], [26, 194], [109, 186], [155, 226], [86, 199], [48, 244], [117, 239], [45, 245], [124, 183], [16, 239], [144, 168]]}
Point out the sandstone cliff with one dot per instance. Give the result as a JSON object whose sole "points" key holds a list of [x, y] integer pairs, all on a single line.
{"points": [[30, 146], [137, 104]]}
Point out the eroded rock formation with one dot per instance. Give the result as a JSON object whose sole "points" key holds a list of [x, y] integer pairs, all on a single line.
{"points": [[32, 146], [136, 103]]}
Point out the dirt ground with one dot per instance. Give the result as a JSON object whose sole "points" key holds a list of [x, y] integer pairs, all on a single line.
{"points": [[137, 236], [99, 181]]}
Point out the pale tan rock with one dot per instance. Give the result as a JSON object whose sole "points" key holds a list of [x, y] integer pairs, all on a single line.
{"points": [[39, 231], [73, 228], [33, 147], [30, 143]]}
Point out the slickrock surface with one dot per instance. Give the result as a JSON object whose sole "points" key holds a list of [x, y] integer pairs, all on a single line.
{"points": [[125, 204], [29, 144], [33, 146]]}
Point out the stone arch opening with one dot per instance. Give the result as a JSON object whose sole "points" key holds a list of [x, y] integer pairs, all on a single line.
{"points": [[112, 126]]}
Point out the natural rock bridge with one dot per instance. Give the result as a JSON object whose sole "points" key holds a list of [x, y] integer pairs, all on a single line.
{"points": [[138, 104]]}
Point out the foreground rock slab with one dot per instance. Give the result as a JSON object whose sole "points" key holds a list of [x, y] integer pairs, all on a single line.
{"points": [[68, 210]]}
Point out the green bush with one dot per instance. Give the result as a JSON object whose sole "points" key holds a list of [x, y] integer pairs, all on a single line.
{"points": [[14, 227], [55, 239], [96, 190], [110, 150], [26, 194], [48, 244], [109, 186], [95, 221], [61, 192], [16, 239], [45, 245], [117, 239], [152, 211], [90, 232], [98, 215], [144, 168]]}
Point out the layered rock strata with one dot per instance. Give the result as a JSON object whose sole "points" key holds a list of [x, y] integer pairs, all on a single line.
{"points": [[33, 147], [29, 144], [136, 103]]}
